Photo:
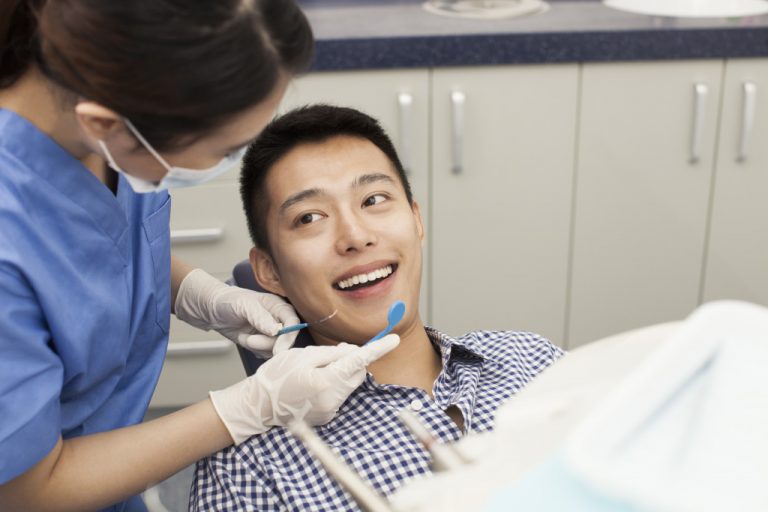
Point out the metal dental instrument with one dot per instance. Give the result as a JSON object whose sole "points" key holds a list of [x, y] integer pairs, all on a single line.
{"points": [[365, 496], [394, 315], [444, 457], [296, 327]]}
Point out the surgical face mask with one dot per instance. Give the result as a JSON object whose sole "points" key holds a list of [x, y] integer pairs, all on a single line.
{"points": [[176, 177]]}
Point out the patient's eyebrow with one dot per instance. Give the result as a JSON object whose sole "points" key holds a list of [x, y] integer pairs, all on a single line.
{"points": [[363, 179], [299, 197], [367, 179]]}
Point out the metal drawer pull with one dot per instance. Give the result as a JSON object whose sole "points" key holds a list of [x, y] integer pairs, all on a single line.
{"points": [[747, 119], [194, 348], [700, 102], [194, 236], [405, 104], [458, 99]]}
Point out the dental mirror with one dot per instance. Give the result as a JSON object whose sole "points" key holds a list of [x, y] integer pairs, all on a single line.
{"points": [[394, 315]]}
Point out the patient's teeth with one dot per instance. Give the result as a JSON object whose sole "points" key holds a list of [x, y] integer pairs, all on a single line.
{"points": [[365, 278]]}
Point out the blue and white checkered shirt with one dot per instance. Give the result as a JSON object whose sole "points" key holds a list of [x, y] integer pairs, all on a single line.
{"points": [[274, 471]]}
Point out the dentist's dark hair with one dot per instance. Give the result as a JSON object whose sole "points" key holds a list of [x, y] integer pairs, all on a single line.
{"points": [[304, 125], [177, 69]]}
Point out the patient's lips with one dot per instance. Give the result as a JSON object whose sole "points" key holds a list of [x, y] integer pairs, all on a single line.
{"points": [[367, 280]]}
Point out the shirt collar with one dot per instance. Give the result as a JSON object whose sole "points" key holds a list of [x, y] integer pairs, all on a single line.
{"points": [[464, 348]]}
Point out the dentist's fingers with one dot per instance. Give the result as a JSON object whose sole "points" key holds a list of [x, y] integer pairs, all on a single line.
{"points": [[265, 312], [284, 342], [356, 361], [379, 348], [320, 357], [281, 310], [266, 346]]}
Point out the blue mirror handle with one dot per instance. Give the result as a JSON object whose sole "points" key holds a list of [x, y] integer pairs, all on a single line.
{"points": [[292, 328], [380, 335]]}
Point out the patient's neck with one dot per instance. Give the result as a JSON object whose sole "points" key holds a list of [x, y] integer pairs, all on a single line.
{"points": [[414, 363]]}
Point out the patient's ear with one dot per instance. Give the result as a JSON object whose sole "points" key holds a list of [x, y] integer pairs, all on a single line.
{"points": [[265, 271]]}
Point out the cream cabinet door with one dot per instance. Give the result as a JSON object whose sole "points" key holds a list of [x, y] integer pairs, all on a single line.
{"points": [[737, 256], [208, 230], [208, 227], [502, 163], [644, 173], [196, 362], [399, 99]]}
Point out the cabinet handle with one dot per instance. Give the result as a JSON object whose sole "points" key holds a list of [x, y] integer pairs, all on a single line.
{"points": [[747, 118], [195, 348], [193, 236], [405, 104], [458, 99], [700, 102]]}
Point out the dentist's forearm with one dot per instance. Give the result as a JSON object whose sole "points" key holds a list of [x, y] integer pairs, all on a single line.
{"points": [[95, 471], [179, 270]]}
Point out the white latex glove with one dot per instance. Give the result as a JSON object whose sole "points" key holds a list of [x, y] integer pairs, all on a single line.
{"points": [[248, 318], [304, 383]]}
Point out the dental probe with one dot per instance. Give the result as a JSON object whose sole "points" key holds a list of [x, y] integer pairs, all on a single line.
{"points": [[296, 327], [443, 456], [365, 496]]}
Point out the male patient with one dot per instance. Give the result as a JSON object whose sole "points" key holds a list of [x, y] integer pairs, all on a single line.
{"points": [[335, 228]]}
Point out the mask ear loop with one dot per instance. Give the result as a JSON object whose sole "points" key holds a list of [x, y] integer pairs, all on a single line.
{"points": [[138, 185], [146, 144], [107, 154]]}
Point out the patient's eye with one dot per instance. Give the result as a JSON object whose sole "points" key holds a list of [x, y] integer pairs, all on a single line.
{"points": [[375, 199], [308, 218]]}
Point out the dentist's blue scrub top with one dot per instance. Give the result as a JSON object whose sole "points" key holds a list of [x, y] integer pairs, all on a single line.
{"points": [[84, 298]]}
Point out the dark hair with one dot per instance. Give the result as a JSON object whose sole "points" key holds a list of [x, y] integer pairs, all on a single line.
{"points": [[175, 68], [308, 124], [17, 38]]}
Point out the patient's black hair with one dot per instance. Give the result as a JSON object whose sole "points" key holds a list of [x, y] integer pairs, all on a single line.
{"points": [[308, 124]]}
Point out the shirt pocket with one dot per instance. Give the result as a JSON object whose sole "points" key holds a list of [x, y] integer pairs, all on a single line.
{"points": [[158, 232]]}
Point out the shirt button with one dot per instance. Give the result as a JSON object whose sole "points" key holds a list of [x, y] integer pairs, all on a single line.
{"points": [[416, 405]]}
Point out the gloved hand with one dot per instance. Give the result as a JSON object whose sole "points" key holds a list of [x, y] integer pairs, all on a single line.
{"points": [[303, 383], [248, 318]]}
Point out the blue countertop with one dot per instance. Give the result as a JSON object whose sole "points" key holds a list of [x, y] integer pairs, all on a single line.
{"points": [[380, 34]]}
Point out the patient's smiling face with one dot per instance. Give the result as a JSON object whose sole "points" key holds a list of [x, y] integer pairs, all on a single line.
{"points": [[343, 236]]}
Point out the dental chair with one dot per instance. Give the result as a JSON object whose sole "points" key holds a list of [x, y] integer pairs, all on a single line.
{"points": [[242, 276]]}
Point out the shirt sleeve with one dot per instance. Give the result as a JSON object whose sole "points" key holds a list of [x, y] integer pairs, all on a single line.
{"points": [[224, 481], [30, 378]]}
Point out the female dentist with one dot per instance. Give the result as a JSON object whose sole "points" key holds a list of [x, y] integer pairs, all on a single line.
{"points": [[167, 92]]}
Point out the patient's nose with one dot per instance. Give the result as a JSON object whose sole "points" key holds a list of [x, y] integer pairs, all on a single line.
{"points": [[354, 234]]}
